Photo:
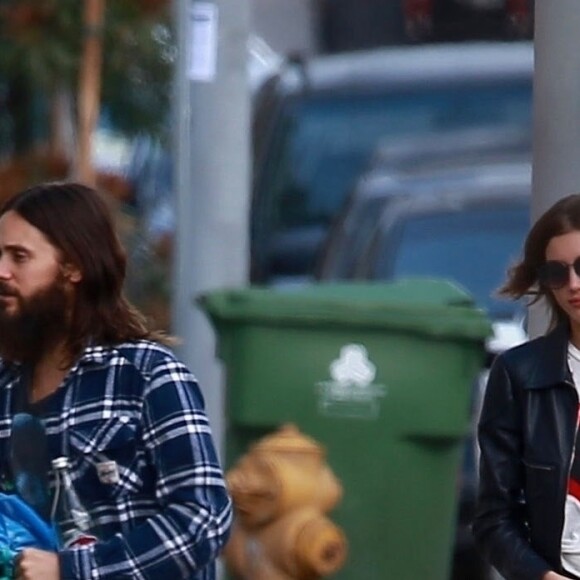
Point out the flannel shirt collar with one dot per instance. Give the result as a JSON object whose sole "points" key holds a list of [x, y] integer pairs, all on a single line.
{"points": [[94, 354]]}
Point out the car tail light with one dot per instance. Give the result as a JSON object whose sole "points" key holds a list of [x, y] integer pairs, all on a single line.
{"points": [[520, 17], [418, 16], [518, 8], [417, 9]]}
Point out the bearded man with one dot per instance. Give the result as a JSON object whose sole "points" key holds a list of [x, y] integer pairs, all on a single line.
{"points": [[76, 354]]}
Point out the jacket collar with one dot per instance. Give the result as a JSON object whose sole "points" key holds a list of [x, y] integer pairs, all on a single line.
{"points": [[550, 366]]}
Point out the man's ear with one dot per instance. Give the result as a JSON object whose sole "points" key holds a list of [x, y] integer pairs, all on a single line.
{"points": [[72, 273]]}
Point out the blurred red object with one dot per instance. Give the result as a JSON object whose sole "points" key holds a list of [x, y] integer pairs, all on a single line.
{"points": [[418, 17], [152, 6], [21, 16]]}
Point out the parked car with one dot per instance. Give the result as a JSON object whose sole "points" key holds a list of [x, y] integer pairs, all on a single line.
{"points": [[465, 224], [468, 236], [467, 171], [461, 147], [317, 122]]}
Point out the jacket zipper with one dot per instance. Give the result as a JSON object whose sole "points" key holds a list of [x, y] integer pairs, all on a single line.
{"points": [[577, 408]]}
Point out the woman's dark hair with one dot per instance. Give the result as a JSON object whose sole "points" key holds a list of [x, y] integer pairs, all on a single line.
{"points": [[78, 222], [562, 218]]}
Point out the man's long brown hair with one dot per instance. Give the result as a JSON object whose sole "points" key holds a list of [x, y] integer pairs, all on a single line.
{"points": [[78, 222]]}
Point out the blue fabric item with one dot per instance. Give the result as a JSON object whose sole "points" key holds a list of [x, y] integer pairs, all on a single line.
{"points": [[21, 527]]}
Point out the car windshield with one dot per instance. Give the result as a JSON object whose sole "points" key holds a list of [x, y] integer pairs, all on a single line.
{"points": [[473, 248], [325, 142]]}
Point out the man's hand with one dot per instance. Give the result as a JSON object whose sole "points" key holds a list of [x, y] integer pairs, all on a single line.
{"points": [[33, 564]]}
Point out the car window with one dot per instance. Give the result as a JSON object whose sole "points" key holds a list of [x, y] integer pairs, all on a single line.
{"points": [[474, 248], [324, 142]]}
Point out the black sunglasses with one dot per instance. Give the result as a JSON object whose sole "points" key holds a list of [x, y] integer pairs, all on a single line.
{"points": [[555, 275]]}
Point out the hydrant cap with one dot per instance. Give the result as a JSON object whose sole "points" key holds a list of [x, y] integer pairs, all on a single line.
{"points": [[288, 438], [321, 547]]}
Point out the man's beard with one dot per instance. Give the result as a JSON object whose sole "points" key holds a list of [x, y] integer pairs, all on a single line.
{"points": [[39, 323]]}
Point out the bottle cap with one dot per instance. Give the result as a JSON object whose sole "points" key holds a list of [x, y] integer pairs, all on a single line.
{"points": [[60, 462]]}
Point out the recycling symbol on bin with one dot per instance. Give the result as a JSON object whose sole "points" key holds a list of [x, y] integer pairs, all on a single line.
{"points": [[351, 392], [353, 366]]}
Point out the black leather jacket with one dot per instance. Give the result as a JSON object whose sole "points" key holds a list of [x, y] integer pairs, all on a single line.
{"points": [[526, 434]]}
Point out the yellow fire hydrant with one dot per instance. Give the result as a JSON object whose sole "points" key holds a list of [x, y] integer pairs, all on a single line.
{"points": [[282, 489]]}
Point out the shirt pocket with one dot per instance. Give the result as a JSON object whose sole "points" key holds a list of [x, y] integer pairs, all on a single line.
{"points": [[105, 458]]}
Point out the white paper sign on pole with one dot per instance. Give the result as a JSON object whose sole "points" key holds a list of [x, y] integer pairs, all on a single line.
{"points": [[203, 41]]}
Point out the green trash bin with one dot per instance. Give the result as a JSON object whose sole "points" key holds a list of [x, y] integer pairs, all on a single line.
{"points": [[379, 373]]}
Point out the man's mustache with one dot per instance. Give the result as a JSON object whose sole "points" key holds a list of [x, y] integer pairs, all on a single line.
{"points": [[5, 290]]}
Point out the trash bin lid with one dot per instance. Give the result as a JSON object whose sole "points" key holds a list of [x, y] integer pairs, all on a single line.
{"points": [[429, 306]]}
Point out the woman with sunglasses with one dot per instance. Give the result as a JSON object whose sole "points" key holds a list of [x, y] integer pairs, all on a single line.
{"points": [[528, 515]]}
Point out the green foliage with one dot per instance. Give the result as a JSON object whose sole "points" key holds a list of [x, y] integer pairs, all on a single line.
{"points": [[41, 47], [39, 42], [137, 78]]}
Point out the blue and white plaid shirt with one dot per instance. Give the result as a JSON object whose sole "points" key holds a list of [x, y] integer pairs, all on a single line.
{"points": [[163, 511]]}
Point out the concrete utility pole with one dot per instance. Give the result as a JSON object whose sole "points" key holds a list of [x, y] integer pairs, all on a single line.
{"points": [[556, 142], [212, 153]]}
